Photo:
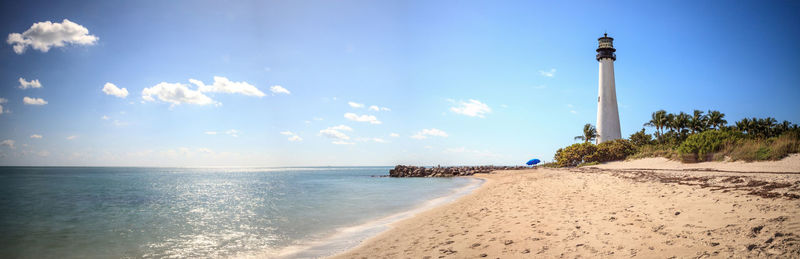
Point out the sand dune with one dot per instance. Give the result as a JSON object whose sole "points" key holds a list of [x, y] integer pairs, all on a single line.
{"points": [[789, 164], [599, 212]]}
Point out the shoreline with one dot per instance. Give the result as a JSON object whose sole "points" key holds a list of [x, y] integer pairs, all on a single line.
{"points": [[602, 212], [348, 238], [419, 211]]}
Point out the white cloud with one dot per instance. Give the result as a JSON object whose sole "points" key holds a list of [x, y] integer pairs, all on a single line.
{"points": [[9, 143], [550, 73], [44, 35], [362, 118], [24, 84], [573, 112], [231, 132], [72, 137], [336, 133], [376, 140], [105, 117], [277, 89], [175, 94], [423, 134], [376, 108], [472, 108], [355, 104], [394, 135], [36, 136], [342, 142], [111, 89], [33, 101], [292, 136], [342, 127], [223, 85]]}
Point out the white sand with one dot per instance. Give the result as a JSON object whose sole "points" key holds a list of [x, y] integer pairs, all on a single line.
{"points": [[595, 212], [789, 164]]}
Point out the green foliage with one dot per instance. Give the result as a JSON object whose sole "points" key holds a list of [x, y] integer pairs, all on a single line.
{"points": [[654, 150], [589, 133], [691, 138], [617, 149], [716, 119], [764, 127], [574, 154], [699, 147], [577, 154], [640, 138], [755, 149]]}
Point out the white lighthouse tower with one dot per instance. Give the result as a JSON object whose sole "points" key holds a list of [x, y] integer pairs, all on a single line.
{"points": [[607, 112]]}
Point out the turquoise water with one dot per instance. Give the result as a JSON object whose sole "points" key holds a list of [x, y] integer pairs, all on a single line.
{"points": [[69, 212]]}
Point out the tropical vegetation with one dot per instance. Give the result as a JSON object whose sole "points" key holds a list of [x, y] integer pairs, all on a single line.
{"points": [[589, 133], [695, 137]]}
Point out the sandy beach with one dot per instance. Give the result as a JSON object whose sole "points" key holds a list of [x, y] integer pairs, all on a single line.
{"points": [[643, 208]]}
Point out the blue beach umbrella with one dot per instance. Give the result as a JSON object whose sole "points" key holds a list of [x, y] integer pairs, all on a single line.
{"points": [[533, 161]]}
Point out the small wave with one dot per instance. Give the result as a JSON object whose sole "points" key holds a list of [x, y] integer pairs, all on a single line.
{"points": [[349, 237]]}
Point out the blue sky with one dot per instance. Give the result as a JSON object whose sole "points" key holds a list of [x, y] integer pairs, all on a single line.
{"points": [[463, 82]]}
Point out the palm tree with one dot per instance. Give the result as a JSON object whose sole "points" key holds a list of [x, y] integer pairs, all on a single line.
{"points": [[753, 126], [658, 120], [589, 133], [743, 125], [716, 119], [768, 125], [669, 121], [699, 122], [681, 123], [783, 127]]}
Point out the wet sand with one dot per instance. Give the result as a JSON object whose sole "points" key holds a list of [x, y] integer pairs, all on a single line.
{"points": [[624, 209]]}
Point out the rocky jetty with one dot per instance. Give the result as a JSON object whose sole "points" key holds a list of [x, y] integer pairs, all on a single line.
{"points": [[448, 171]]}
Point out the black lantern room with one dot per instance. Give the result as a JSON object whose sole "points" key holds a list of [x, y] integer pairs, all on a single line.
{"points": [[605, 48]]}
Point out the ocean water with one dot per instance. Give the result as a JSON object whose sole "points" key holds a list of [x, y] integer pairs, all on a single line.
{"points": [[72, 212]]}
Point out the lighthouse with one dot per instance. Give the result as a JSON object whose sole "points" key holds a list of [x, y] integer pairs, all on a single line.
{"points": [[607, 112]]}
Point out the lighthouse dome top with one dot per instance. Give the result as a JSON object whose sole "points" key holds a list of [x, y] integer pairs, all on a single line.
{"points": [[605, 48], [605, 42]]}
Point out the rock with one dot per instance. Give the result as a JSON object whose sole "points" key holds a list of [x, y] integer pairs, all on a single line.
{"points": [[419, 171]]}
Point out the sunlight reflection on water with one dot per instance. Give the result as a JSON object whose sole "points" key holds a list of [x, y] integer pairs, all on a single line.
{"points": [[186, 212]]}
